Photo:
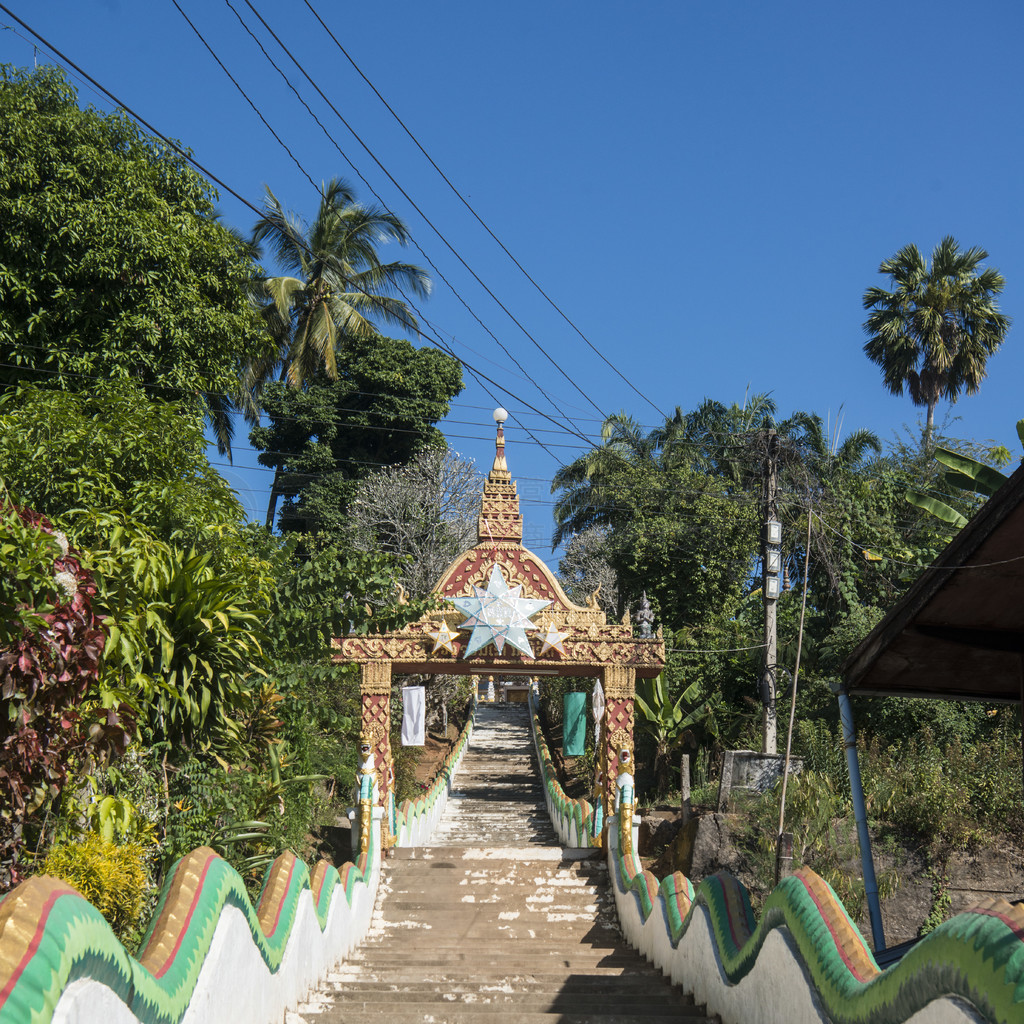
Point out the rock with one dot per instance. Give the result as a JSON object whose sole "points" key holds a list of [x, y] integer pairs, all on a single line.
{"points": [[656, 833], [714, 848]]}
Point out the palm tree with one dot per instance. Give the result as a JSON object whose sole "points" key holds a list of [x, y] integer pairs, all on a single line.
{"points": [[934, 332], [589, 484], [819, 456], [334, 286]]}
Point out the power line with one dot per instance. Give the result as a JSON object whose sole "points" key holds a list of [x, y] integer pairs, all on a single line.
{"points": [[590, 440], [408, 300], [916, 565], [376, 195], [245, 96], [245, 202], [479, 219], [417, 208]]}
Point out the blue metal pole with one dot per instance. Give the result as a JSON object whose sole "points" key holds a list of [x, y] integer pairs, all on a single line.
{"points": [[860, 814]]}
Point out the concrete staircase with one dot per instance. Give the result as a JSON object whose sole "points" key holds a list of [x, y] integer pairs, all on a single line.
{"points": [[494, 920], [498, 799]]}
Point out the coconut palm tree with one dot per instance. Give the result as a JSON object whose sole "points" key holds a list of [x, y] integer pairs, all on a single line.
{"points": [[817, 456], [933, 333], [589, 483], [334, 285]]}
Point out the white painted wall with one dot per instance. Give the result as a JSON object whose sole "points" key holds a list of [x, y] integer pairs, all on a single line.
{"points": [[777, 988], [234, 983]]}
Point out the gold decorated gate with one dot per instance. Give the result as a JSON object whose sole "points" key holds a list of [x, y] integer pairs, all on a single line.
{"points": [[500, 593]]}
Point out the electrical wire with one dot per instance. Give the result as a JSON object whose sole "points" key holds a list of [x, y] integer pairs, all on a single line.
{"points": [[375, 194], [916, 565], [592, 441], [171, 144], [245, 96], [373, 156], [721, 650], [479, 219]]}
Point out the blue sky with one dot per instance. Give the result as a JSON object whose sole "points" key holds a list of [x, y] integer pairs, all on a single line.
{"points": [[704, 189]]}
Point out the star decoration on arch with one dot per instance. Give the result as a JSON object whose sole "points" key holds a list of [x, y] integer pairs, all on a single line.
{"points": [[445, 639], [553, 640], [499, 615]]}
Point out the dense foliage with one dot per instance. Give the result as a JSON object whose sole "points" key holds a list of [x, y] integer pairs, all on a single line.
{"points": [[327, 435], [114, 263], [51, 642], [166, 678], [165, 667], [676, 512]]}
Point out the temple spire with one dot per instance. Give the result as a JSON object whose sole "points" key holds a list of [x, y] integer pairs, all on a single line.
{"points": [[499, 506], [499, 471]]}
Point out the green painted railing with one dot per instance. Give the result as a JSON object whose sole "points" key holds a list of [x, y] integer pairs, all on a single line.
{"points": [[806, 960], [573, 819], [51, 937]]}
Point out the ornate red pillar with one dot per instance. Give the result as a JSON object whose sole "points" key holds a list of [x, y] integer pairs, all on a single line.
{"points": [[619, 685], [375, 693]]}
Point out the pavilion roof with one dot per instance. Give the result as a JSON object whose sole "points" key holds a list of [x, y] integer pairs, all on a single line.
{"points": [[958, 633]]}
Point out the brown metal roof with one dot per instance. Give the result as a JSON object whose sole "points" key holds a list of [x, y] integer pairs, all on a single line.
{"points": [[958, 633]]}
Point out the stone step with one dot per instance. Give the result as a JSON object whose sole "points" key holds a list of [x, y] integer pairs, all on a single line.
{"points": [[531, 983], [485, 1002], [429, 1014], [520, 964], [495, 919], [499, 991], [546, 977], [564, 857]]}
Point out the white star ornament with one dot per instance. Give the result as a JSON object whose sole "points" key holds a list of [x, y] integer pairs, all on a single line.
{"points": [[553, 640], [499, 615], [444, 638]]}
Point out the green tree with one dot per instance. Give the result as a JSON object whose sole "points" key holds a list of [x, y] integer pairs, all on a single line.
{"points": [[676, 531], [113, 264], [584, 569], [324, 437], [669, 723], [182, 596], [335, 288], [934, 332], [115, 448], [425, 512]]}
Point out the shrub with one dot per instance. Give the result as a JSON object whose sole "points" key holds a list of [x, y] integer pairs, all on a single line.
{"points": [[114, 879]]}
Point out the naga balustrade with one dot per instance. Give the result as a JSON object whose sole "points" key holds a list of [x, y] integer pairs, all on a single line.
{"points": [[805, 961], [209, 955]]}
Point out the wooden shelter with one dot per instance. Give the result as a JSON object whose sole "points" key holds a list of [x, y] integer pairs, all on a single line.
{"points": [[958, 633], [501, 593]]}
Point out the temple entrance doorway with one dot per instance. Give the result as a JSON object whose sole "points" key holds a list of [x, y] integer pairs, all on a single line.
{"points": [[505, 621]]}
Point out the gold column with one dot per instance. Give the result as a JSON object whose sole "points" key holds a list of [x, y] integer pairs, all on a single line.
{"points": [[617, 729], [375, 693]]}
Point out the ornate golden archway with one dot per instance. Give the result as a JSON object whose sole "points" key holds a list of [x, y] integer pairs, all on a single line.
{"points": [[499, 592]]}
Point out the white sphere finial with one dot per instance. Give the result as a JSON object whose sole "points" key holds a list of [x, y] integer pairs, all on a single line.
{"points": [[500, 415]]}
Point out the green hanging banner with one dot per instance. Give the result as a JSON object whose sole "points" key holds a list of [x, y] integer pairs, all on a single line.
{"points": [[574, 725]]}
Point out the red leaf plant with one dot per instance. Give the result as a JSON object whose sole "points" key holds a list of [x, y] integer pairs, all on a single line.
{"points": [[45, 673]]}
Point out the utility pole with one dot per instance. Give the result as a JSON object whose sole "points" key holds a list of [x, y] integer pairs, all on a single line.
{"points": [[771, 558]]}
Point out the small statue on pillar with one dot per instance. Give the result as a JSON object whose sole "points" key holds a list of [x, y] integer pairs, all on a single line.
{"points": [[625, 776], [368, 791], [645, 619]]}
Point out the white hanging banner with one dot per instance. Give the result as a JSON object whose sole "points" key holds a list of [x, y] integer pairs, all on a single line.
{"points": [[597, 706], [413, 716]]}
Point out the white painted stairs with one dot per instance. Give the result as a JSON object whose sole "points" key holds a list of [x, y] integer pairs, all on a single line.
{"points": [[495, 920]]}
